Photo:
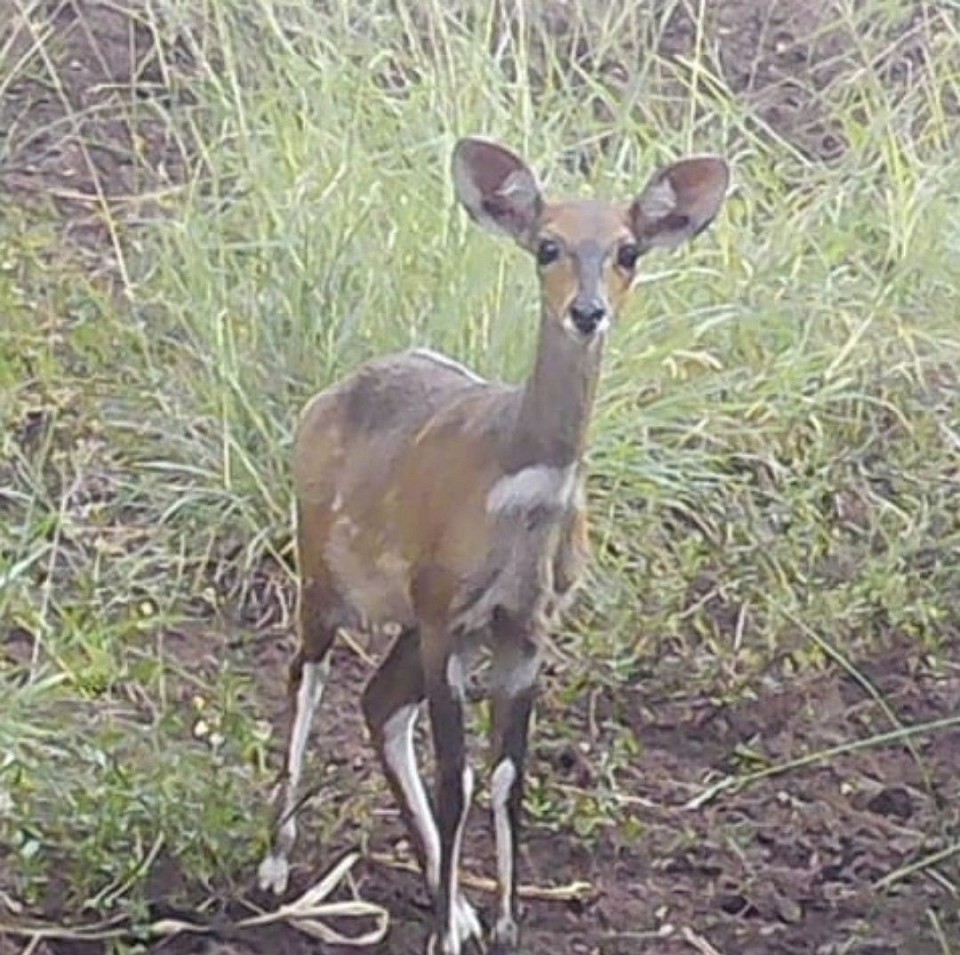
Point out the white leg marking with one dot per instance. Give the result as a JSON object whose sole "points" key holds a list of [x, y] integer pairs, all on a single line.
{"points": [[274, 871], [308, 698], [456, 675], [464, 923], [504, 776], [401, 757]]}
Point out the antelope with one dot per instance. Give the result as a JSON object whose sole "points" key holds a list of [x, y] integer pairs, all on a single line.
{"points": [[453, 508]]}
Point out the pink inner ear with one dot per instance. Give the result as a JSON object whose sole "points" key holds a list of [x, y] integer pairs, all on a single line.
{"points": [[507, 214], [697, 177], [490, 166]]}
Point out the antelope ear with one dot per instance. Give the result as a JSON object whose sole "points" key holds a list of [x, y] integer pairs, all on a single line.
{"points": [[680, 201], [496, 187]]}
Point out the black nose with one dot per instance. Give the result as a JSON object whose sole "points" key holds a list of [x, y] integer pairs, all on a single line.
{"points": [[586, 316]]}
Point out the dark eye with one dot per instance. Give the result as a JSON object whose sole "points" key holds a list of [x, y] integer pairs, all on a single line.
{"points": [[547, 251], [627, 256]]}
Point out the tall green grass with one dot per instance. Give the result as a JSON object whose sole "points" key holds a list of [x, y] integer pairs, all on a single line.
{"points": [[776, 437]]}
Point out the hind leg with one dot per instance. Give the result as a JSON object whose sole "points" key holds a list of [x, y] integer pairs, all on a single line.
{"points": [[513, 678], [320, 614], [391, 704]]}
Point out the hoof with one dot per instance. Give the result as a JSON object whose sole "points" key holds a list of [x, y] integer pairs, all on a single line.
{"points": [[273, 874], [439, 946], [505, 938], [466, 922], [466, 935]]}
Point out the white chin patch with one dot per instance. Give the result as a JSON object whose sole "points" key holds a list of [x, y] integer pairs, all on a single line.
{"points": [[598, 334]]}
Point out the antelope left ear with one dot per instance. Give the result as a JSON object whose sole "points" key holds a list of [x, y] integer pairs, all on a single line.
{"points": [[680, 201]]}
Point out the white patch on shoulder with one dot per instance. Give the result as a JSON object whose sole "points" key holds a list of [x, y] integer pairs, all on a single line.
{"points": [[531, 487], [446, 362]]}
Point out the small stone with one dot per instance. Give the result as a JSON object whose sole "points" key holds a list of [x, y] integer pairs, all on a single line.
{"points": [[789, 911], [894, 801]]}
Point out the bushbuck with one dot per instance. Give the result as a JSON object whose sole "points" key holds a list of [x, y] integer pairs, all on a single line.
{"points": [[453, 508]]}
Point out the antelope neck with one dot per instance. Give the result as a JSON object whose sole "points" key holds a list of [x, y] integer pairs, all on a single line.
{"points": [[556, 401]]}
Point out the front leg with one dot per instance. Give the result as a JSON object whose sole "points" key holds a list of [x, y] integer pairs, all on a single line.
{"points": [[445, 683], [573, 551], [516, 664]]}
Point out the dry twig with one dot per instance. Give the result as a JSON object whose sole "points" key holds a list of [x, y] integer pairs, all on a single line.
{"points": [[308, 914], [572, 892]]}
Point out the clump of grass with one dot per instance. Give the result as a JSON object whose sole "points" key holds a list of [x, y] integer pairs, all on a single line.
{"points": [[775, 440]]}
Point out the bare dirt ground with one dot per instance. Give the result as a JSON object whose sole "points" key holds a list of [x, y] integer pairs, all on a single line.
{"points": [[788, 865], [793, 864]]}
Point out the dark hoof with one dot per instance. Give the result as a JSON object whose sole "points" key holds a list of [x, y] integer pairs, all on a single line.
{"points": [[472, 946], [509, 945]]}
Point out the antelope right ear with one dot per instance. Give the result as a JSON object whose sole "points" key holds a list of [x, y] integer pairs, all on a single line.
{"points": [[497, 188]]}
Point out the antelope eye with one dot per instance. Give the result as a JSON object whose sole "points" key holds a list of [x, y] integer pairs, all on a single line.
{"points": [[547, 251], [627, 256]]}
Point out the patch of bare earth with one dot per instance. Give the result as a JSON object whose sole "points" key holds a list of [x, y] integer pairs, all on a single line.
{"points": [[90, 116], [802, 862], [805, 861], [810, 860]]}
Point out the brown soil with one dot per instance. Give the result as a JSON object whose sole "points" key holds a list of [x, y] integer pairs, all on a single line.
{"points": [[70, 146], [788, 865]]}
